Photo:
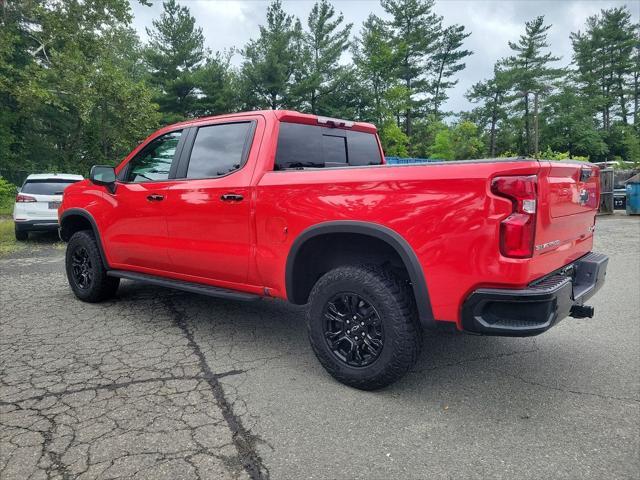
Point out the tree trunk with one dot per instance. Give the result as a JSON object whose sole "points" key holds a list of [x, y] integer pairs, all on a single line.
{"points": [[536, 125], [494, 121], [623, 103], [527, 127], [636, 92], [436, 104]]}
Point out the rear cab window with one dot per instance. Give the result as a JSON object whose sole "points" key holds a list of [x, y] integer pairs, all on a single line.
{"points": [[316, 146], [220, 149], [46, 187]]}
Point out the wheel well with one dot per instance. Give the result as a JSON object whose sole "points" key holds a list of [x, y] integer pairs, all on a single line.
{"points": [[72, 224], [324, 252]]}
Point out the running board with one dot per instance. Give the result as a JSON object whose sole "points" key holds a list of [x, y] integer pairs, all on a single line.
{"points": [[185, 286]]}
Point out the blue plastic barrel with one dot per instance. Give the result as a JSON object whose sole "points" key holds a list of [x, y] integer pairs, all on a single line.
{"points": [[633, 197]]}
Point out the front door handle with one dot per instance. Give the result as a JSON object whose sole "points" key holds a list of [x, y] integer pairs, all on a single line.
{"points": [[154, 197], [231, 197]]}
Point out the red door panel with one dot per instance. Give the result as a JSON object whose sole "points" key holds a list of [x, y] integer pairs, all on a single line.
{"points": [[136, 232], [210, 237]]}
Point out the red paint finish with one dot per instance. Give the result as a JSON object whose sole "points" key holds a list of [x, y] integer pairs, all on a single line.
{"points": [[446, 212]]}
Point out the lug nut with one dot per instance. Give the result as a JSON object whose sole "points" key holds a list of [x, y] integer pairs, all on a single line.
{"points": [[355, 318]]}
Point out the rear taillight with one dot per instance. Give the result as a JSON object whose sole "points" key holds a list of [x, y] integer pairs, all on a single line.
{"points": [[20, 198], [517, 231]]}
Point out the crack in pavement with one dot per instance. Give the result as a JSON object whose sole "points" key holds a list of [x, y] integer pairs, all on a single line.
{"points": [[564, 390], [113, 386], [244, 441]]}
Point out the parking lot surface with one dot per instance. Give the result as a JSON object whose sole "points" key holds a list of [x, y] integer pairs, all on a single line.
{"points": [[160, 384]]}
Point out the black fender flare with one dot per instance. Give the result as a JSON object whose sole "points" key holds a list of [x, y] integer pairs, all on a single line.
{"points": [[79, 212], [387, 235]]}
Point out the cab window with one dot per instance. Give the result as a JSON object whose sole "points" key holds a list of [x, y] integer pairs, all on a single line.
{"points": [[219, 150], [154, 161]]}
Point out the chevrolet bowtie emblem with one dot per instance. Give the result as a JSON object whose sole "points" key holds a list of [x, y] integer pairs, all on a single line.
{"points": [[584, 197]]}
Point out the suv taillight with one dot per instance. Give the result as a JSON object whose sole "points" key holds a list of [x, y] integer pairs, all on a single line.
{"points": [[517, 231], [20, 198]]}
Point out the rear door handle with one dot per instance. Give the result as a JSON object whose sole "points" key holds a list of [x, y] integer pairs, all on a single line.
{"points": [[155, 197], [231, 197]]}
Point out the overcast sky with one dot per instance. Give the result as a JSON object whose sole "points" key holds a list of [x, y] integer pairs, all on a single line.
{"points": [[231, 23]]}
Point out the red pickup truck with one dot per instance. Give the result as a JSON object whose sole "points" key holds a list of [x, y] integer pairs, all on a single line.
{"points": [[301, 207]]}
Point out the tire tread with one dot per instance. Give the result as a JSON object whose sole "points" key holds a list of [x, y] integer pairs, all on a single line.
{"points": [[408, 334]]}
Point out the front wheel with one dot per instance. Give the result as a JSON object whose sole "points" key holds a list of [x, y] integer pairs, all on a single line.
{"points": [[85, 271], [363, 326]]}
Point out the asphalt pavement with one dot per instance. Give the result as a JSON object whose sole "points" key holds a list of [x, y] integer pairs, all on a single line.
{"points": [[158, 384]]}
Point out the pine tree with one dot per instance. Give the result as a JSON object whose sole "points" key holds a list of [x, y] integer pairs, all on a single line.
{"points": [[604, 57], [270, 61], [569, 126], [374, 60], [218, 86], [415, 30], [174, 53], [530, 75], [319, 72], [492, 110], [447, 61]]}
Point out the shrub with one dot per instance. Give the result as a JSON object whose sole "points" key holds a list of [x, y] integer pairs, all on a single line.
{"points": [[7, 195]]}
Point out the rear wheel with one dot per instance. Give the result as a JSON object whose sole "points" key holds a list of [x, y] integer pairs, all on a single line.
{"points": [[21, 235], [85, 271], [363, 326]]}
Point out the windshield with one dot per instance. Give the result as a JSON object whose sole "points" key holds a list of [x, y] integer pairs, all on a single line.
{"points": [[46, 187]]}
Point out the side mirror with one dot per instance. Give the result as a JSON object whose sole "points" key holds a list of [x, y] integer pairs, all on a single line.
{"points": [[104, 175]]}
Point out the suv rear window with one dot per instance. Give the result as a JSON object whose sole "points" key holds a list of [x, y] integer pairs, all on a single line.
{"points": [[314, 146], [46, 187]]}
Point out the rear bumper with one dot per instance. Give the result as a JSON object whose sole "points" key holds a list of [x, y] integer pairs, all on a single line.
{"points": [[538, 307], [36, 225]]}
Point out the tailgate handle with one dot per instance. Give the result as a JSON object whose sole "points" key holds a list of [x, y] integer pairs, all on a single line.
{"points": [[585, 174]]}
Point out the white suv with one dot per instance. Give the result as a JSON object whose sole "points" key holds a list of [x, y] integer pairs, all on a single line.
{"points": [[37, 203]]}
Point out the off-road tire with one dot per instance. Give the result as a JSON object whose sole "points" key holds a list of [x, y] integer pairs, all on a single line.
{"points": [[21, 235], [101, 286], [393, 300]]}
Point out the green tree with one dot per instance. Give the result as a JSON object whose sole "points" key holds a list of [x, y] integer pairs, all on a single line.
{"points": [[415, 30], [568, 125], [270, 61], [319, 72], [442, 148], [466, 140], [218, 86], [394, 140], [174, 54], [77, 99], [603, 55], [530, 74], [490, 94], [373, 56], [447, 61]]}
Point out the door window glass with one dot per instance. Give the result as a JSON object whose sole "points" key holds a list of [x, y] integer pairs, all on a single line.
{"points": [[218, 150], [154, 161]]}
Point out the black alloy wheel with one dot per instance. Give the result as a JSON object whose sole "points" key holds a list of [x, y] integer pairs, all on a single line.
{"points": [[82, 267], [353, 329]]}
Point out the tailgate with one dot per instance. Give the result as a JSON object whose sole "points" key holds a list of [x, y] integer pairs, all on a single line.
{"points": [[569, 195], [573, 188]]}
